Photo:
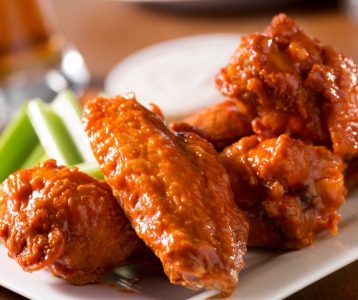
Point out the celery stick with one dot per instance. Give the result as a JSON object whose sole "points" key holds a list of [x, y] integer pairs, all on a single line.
{"points": [[91, 169], [67, 107], [16, 142], [37, 155], [52, 133]]}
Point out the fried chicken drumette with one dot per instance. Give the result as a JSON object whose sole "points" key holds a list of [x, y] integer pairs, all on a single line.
{"points": [[175, 191], [296, 85], [60, 218], [221, 124], [289, 191]]}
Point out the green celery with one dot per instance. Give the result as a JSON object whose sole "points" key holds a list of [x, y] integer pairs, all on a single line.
{"points": [[52, 133], [90, 169], [37, 155], [16, 142], [68, 108]]}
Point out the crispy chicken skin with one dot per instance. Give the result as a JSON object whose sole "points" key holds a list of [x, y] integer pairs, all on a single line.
{"points": [[297, 85], [221, 124], [60, 218], [175, 191], [351, 175], [289, 191]]}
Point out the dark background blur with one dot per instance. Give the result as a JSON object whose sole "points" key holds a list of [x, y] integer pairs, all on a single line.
{"points": [[108, 31]]}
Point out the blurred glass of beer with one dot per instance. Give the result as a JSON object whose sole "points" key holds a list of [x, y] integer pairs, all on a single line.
{"points": [[27, 35], [35, 58]]}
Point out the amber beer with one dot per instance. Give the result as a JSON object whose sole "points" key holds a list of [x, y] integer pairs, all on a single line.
{"points": [[27, 35]]}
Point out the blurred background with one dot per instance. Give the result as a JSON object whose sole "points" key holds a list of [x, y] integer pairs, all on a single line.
{"points": [[107, 31], [47, 45]]}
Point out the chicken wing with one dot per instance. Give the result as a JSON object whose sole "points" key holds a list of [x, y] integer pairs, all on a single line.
{"points": [[60, 218], [351, 175], [221, 124], [175, 191], [296, 85], [288, 190]]}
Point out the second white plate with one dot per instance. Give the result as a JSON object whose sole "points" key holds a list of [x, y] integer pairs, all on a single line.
{"points": [[177, 75]]}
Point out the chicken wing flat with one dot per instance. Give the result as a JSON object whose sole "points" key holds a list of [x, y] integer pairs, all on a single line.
{"points": [[296, 85], [221, 124], [351, 175], [63, 219], [175, 191], [288, 190]]}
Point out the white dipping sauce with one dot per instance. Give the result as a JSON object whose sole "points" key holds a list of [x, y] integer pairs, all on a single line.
{"points": [[177, 75]]}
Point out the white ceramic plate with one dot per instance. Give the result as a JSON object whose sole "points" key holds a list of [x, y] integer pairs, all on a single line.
{"points": [[177, 75], [266, 276]]}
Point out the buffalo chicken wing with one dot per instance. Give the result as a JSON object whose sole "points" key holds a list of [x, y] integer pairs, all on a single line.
{"points": [[221, 124], [296, 85], [288, 190], [175, 191], [65, 220]]}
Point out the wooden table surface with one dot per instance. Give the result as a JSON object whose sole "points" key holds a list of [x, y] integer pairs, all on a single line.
{"points": [[107, 31]]}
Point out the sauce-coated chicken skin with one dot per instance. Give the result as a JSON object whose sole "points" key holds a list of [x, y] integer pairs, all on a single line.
{"points": [[221, 124], [288, 190], [351, 175], [63, 219], [297, 85], [175, 191]]}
